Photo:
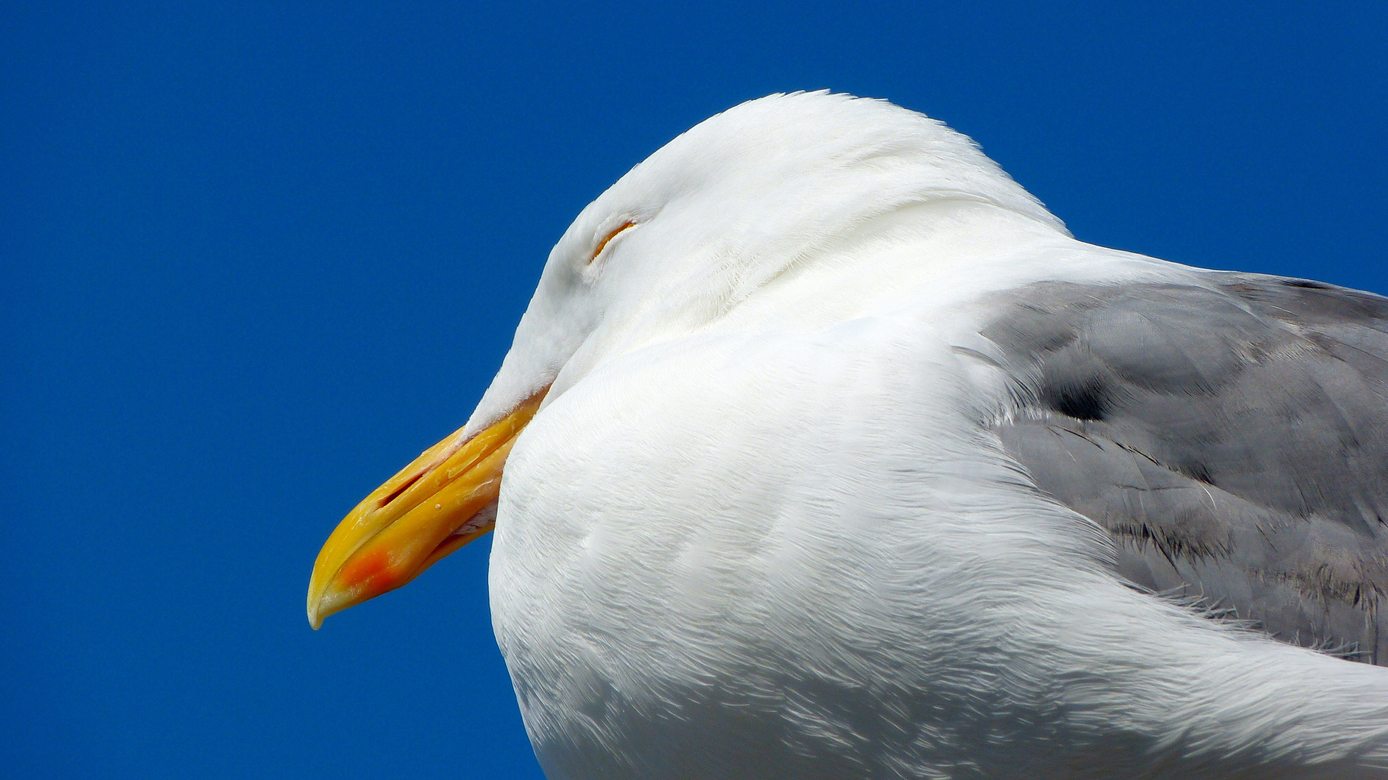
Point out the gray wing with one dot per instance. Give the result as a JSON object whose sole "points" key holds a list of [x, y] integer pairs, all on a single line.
{"points": [[1230, 433]]}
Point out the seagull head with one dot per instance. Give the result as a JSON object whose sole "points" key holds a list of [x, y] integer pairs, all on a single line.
{"points": [[677, 244]]}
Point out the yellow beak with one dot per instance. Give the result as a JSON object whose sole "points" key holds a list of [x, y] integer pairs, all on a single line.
{"points": [[431, 508]]}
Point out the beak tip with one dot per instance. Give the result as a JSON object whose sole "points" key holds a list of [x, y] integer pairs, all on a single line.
{"points": [[315, 613]]}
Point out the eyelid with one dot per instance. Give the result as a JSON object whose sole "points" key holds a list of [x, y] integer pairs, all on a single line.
{"points": [[622, 228]]}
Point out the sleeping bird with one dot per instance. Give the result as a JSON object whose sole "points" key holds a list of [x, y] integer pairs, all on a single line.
{"points": [[824, 450]]}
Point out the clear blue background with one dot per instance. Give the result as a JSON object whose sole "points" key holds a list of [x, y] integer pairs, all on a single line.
{"points": [[255, 259]]}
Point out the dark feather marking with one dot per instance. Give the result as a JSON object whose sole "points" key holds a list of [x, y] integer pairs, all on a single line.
{"points": [[1307, 284]]}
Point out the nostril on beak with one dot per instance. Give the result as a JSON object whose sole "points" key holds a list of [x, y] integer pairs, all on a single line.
{"points": [[394, 494]]}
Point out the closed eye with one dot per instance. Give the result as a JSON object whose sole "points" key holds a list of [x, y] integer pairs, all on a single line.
{"points": [[622, 228]]}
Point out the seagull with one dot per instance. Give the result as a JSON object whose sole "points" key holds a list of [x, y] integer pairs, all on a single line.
{"points": [[829, 452]]}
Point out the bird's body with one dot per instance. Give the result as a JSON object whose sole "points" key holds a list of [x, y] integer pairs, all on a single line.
{"points": [[805, 499], [900, 600]]}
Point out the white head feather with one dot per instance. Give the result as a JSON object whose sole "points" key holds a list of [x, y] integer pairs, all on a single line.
{"points": [[705, 236]]}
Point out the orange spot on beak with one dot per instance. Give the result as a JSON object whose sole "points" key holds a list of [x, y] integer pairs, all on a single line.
{"points": [[369, 574]]}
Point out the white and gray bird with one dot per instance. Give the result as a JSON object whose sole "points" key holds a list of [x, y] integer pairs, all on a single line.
{"points": [[830, 453]]}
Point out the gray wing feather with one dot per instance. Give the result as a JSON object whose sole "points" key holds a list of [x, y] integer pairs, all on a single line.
{"points": [[1230, 433]]}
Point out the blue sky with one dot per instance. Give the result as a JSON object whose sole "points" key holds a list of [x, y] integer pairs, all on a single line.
{"points": [[257, 258]]}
